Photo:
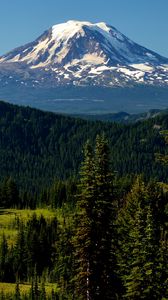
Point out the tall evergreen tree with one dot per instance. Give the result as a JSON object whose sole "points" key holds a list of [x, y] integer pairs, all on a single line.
{"points": [[84, 234], [95, 225], [133, 281], [139, 257], [104, 220], [125, 221]]}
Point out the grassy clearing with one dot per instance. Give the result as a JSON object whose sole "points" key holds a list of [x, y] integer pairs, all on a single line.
{"points": [[164, 132], [9, 226], [9, 288], [9, 220]]}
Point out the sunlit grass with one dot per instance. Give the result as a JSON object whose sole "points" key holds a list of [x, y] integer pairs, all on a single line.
{"points": [[9, 219], [9, 288], [10, 235]]}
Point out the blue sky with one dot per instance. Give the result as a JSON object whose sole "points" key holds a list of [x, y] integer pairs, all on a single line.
{"points": [[144, 21]]}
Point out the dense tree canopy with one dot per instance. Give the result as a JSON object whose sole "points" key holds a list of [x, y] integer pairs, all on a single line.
{"points": [[52, 144], [108, 237]]}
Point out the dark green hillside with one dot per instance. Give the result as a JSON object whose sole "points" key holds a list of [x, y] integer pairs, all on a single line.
{"points": [[37, 146]]}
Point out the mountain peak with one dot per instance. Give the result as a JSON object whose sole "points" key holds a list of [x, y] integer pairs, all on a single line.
{"points": [[72, 27], [75, 24], [67, 30]]}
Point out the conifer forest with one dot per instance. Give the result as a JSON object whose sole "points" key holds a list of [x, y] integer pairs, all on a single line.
{"points": [[83, 207]]}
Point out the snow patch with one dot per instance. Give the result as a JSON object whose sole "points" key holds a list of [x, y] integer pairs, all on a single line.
{"points": [[66, 76], [99, 70], [142, 67], [136, 74]]}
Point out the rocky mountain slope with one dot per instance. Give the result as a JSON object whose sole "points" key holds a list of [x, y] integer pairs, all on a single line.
{"points": [[81, 54]]}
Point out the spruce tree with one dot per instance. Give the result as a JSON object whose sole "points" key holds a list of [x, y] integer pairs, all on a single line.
{"points": [[84, 233], [133, 281], [12, 193], [20, 255], [104, 220], [95, 226], [3, 258], [151, 248], [139, 250], [125, 221]]}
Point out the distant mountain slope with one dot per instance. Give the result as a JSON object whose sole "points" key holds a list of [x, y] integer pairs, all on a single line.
{"points": [[123, 117], [37, 146]]}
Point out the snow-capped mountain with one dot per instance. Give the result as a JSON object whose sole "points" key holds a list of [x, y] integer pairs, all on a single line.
{"points": [[82, 53]]}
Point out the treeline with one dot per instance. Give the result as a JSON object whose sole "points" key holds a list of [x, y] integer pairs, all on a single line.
{"points": [[54, 196], [60, 192], [42, 253], [52, 144], [41, 250], [112, 243]]}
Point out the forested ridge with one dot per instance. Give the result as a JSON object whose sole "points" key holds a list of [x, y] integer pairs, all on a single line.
{"points": [[104, 187], [53, 143]]}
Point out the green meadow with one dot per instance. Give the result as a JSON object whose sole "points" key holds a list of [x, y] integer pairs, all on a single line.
{"points": [[9, 288], [9, 219]]}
